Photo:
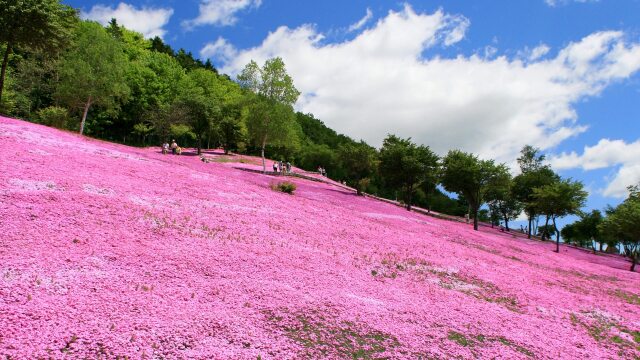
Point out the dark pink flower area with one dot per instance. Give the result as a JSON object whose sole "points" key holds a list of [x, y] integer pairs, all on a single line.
{"points": [[108, 250]]}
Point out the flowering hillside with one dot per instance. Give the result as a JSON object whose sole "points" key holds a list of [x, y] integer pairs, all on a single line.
{"points": [[110, 251]]}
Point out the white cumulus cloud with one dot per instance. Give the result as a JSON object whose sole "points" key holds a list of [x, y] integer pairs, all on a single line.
{"points": [[361, 22], [146, 20], [606, 153], [381, 82], [220, 12], [220, 49]]}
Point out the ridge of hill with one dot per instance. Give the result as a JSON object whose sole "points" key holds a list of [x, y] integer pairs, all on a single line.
{"points": [[108, 250]]}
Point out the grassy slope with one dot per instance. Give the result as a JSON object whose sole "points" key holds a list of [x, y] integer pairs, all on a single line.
{"points": [[109, 250]]}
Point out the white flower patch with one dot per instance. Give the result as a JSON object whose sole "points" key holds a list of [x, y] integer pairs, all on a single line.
{"points": [[386, 216], [117, 154], [92, 189], [366, 299], [458, 285], [39, 152], [32, 185], [138, 200]]}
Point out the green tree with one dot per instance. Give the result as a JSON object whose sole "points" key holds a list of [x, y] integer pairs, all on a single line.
{"points": [[359, 162], [500, 196], [559, 199], [405, 165], [231, 129], [202, 98], [585, 232], [534, 174], [465, 174], [33, 24], [623, 224], [92, 71], [271, 114]]}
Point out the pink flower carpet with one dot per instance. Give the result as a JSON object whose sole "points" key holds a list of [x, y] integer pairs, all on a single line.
{"points": [[108, 251]]}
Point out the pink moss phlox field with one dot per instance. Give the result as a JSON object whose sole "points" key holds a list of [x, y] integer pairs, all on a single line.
{"points": [[109, 251]]}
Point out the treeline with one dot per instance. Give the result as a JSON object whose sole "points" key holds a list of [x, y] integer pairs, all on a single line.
{"points": [[111, 83]]}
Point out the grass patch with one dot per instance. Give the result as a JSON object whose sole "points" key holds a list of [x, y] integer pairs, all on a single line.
{"points": [[391, 267], [628, 297], [478, 341], [606, 330], [324, 336]]}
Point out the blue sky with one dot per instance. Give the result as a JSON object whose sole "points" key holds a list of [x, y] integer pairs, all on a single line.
{"points": [[486, 77]]}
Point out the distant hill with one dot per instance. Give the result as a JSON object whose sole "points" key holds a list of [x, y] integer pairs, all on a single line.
{"points": [[109, 250]]}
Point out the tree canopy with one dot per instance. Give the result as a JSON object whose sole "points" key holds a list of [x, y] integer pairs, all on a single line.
{"points": [[93, 71], [405, 165], [271, 118], [34, 25], [465, 174], [559, 199]]}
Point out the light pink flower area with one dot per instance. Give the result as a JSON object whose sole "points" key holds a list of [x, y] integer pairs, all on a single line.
{"points": [[109, 251]]}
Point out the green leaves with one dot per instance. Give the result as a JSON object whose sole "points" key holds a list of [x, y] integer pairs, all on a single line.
{"points": [[271, 96], [95, 67], [623, 224], [271, 81], [465, 174], [407, 165]]}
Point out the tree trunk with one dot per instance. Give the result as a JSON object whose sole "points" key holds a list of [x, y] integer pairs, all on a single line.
{"points": [[199, 145], [409, 193], [3, 72], [5, 62], [557, 234], [545, 234], [84, 115], [475, 217], [264, 166], [529, 229]]}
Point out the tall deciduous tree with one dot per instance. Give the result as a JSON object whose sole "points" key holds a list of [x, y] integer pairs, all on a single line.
{"points": [[405, 165], [623, 224], [465, 174], [559, 199], [33, 24], [358, 161], [271, 109], [500, 196], [585, 232], [534, 174], [92, 71]]}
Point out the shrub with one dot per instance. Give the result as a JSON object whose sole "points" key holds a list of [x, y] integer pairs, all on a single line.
{"points": [[284, 186], [362, 185], [55, 116]]}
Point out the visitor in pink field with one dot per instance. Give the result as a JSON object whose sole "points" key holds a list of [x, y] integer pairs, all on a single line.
{"points": [[275, 167], [174, 147], [165, 148]]}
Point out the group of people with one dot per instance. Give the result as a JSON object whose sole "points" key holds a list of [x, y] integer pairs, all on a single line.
{"points": [[322, 171], [281, 167], [175, 149]]}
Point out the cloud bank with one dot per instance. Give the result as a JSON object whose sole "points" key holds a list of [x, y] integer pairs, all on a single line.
{"points": [[389, 79], [220, 12], [606, 153], [148, 21]]}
